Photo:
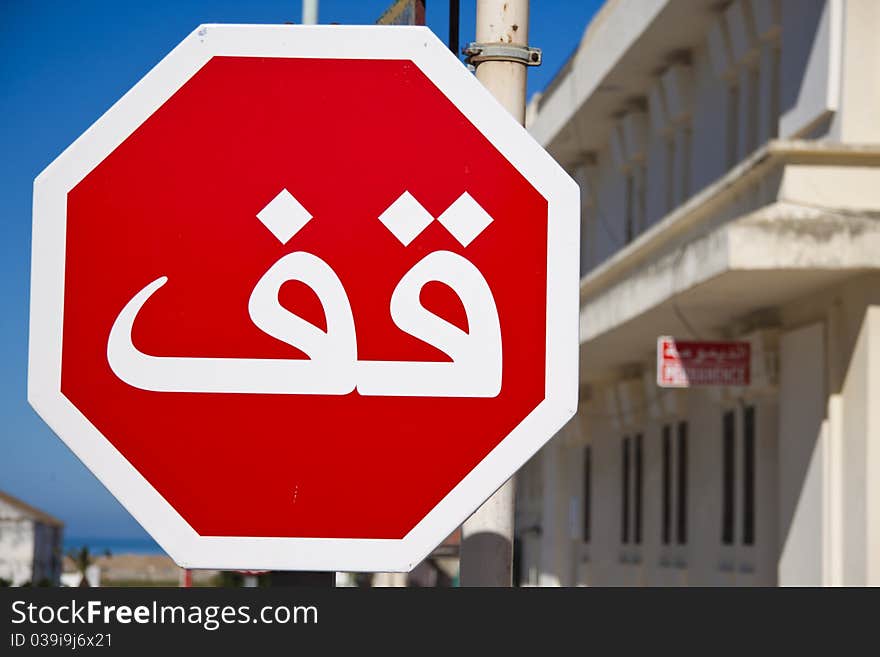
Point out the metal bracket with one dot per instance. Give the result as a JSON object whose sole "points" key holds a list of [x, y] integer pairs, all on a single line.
{"points": [[477, 53]]}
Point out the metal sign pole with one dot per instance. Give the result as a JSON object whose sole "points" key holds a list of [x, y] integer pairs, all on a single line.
{"points": [[454, 10], [310, 12], [487, 536]]}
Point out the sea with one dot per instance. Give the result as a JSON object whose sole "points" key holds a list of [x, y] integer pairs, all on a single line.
{"points": [[101, 546]]}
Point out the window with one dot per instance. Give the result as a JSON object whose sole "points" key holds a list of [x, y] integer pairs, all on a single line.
{"points": [[637, 494], [670, 174], [685, 173], [666, 526], [629, 227], [588, 241], [631, 491], [678, 492], [624, 528], [749, 476], [775, 82], [754, 102], [636, 202], [641, 198], [727, 477], [682, 471], [732, 124], [588, 483], [735, 486]]}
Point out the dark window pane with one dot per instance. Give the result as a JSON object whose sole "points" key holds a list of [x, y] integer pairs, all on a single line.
{"points": [[773, 105], [686, 145], [682, 507], [637, 512], [749, 476], [588, 482], [629, 228], [727, 478], [624, 527], [732, 124], [667, 484], [642, 193]]}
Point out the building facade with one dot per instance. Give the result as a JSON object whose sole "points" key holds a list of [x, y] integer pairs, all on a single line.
{"points": [[728, 155], [30, 544]]}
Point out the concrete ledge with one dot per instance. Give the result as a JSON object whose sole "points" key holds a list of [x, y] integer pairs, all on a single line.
{"points": [[709, 203], [782, 237]]}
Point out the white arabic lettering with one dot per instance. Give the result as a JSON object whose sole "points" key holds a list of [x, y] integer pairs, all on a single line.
{"points": [[332, 367]]}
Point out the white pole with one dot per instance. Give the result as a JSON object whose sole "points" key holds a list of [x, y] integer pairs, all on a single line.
{"points": [[310, 12], [487, 536], [504, 22]]}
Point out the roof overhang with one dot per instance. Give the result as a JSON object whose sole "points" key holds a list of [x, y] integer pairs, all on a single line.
{"points": [[623, 50]]}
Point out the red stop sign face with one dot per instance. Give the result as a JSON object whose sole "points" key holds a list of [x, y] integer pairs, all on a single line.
{"points": [[298, 315]]}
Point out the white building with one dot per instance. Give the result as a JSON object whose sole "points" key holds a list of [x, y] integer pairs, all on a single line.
{"points": [[729, 161], [30, 543]]}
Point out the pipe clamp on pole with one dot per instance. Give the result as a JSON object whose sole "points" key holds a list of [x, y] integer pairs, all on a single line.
{"points": [[477, 53]]}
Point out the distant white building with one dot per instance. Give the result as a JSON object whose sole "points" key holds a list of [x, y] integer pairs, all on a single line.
{"points": [[728, 154], [30, 543]]}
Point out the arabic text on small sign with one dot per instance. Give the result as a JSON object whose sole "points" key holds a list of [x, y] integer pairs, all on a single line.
{"points": [[682, 364]]}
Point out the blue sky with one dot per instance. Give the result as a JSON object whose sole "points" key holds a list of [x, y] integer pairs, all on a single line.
{"points": [[62, 64]]}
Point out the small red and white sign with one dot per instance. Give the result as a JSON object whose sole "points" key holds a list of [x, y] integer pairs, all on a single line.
{"points": [[684, 364]]}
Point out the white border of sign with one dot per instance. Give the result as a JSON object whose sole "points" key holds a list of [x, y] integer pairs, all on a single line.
{"points": [[158, 517]]}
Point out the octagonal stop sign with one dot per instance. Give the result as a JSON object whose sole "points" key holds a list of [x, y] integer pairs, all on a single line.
{"points": [[304, 297]]}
